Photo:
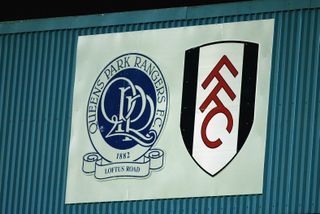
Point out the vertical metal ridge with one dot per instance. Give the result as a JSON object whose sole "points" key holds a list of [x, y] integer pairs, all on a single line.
{"points": [[40, 123], [315, 201], [294, 61], [55, 119], [289, 108], [309, 117], [313, 65], [26, 137], [43, 159], [304, 120], [284, 76], [8, 125], [3, 84], [273, 97], [12, 123], [65, 112], [3, 60], [23, 135], [19, 137]]}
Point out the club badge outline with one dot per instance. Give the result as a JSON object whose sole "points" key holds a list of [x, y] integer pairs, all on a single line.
{"points": [[188, 106], [146, 158]]}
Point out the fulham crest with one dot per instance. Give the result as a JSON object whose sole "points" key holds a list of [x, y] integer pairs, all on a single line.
{"points": [[218, 101]]}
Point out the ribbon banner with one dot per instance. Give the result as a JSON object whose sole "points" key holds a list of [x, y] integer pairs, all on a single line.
{"points": [[103, 169]]}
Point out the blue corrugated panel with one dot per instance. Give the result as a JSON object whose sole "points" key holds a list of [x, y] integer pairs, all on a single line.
{"points": [[36, 86]]}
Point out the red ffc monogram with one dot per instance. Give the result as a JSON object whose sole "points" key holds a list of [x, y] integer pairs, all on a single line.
{"points": [[220, 108]]}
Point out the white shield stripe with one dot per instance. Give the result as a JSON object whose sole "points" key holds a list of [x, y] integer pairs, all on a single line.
{"points": [[213, 160]]}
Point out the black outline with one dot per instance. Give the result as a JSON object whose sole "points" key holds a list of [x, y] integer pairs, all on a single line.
{"points": [[190, 80]]}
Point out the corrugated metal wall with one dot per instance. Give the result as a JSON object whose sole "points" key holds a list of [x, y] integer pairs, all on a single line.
{"points": [[36, 86]]}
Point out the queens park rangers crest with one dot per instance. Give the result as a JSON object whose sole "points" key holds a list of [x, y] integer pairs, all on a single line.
{"points": [[126, 112], [218, 101]]}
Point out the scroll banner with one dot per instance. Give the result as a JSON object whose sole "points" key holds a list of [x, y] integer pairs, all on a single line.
{"points": [[103, 169]]}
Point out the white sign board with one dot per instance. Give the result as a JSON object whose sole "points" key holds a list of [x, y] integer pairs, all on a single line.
{"points": [[170, 113]]}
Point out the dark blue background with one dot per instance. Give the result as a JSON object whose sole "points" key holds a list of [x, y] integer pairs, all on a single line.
{"points": [[112, 105]]}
